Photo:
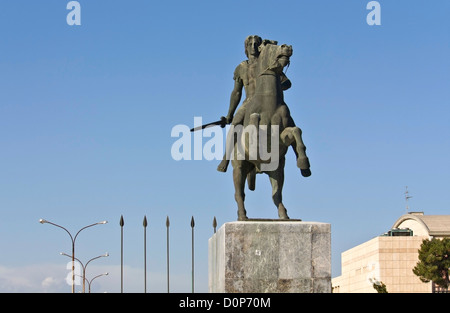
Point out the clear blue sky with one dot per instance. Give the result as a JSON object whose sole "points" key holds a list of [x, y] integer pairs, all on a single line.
{"points": [[86, 114]]}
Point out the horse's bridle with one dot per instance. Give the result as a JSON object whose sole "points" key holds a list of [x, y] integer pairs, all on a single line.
{"points": [[287, 66]]}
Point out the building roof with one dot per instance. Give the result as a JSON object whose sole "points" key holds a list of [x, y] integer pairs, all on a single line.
{"points": [[436, 225]]}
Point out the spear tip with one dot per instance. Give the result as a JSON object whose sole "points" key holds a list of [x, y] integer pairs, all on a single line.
{"points": [[145, 221]]}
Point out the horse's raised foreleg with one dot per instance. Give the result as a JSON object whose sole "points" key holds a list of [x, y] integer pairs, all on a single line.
{"points": [[277, 181], [293, 136]]}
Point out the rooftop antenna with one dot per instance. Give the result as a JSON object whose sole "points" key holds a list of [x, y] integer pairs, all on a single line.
{"points": [[407, 197]]}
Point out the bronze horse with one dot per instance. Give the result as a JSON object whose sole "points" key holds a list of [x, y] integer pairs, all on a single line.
{"points": [[268, 126]]}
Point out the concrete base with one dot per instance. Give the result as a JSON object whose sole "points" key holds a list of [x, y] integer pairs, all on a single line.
{"points": [[270, 256]]}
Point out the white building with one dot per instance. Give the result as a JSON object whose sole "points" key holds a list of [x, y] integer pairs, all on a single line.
{"points": [[390, 258]]}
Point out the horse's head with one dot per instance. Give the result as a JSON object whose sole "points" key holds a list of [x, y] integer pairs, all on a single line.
{"points": [[273, 57]]}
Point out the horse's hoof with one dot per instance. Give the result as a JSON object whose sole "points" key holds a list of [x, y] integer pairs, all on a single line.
{"points": [[223, 166], [242, 218], [282, 214], [306, 173]]}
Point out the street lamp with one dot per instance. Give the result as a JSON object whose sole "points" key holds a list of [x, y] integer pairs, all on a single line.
{"points": [[90, 282], [42, 221], [85, 266]]}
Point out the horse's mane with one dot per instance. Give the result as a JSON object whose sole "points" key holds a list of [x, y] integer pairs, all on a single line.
{"points": [[266, 42]]}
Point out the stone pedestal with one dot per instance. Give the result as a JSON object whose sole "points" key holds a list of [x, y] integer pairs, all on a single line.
{"points": [[270, 256]]}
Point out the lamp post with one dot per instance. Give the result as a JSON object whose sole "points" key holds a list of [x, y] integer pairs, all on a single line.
{"points": [[85, 266], [144, 223], [73, 238], [192, 229], [168, 264], [121, 223], [90, 282]]}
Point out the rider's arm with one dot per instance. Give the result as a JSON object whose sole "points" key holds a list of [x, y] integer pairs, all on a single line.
{"points": [[235, 98]]}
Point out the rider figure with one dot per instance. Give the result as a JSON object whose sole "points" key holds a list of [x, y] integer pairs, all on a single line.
{"points": [[244, 78]]}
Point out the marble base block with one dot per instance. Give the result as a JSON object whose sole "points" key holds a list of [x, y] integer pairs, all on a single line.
{"points": [[270, 257]]}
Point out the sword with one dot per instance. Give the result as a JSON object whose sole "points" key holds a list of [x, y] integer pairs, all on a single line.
{"points": [[222, 122]]}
